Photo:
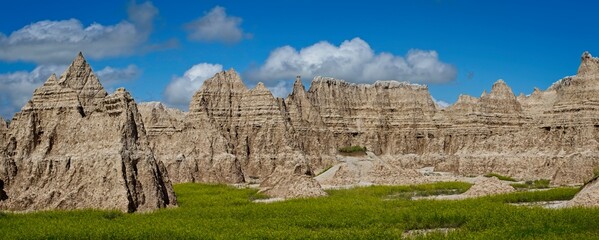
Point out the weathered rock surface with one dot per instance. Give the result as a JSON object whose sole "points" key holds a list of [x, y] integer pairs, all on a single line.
{"points": [[587, 197], [3, 130], [191, 147], [231, 134], [292, 180], [367, 170], [551, 134], [73, 146], [488, 186]]}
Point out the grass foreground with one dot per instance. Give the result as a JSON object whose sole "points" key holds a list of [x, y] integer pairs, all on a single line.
{"points": [[377, 212]]}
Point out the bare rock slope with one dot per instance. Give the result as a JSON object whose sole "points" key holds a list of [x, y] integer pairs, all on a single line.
{"points": [[73, 146], [551, 134], [588, 195]]}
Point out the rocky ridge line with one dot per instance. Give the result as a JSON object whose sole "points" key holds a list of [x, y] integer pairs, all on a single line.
{"points": [[549, 134], [73, 146]]}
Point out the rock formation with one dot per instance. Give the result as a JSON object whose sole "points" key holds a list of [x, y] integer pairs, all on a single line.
{"points": [[191, 147], [3, 130], [367, 170], [73, 146], [551, 134], [292, 179], [488, 186], [588, 195], [231, 134]]}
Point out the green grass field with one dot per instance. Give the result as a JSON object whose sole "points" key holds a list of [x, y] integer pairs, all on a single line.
{"points": [[378, 212]]}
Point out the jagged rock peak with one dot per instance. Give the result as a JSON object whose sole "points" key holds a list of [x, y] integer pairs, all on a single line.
{"points": [[463, 99], [228, 76], [3, 124], [379, 83], [565, 81], [52, 80], [122, 91], [260, 88], [298, 87], [78, 71], [396, 84], [80, 77], [226, 79], [588, 65], [501, 89]]}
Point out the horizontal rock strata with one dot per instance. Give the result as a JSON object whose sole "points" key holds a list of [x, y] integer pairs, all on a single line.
{"points": [[551, 134], [73, 146]]}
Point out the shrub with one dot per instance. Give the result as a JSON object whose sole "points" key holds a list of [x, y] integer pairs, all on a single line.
{"points": [[352, 149], [500, 177]]}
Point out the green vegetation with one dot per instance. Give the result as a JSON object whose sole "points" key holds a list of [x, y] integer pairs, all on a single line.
{"points": [[377, 212], [595, 172], [443, 188], [536, 184], [500, 177], [353, 149], [595, 175]]}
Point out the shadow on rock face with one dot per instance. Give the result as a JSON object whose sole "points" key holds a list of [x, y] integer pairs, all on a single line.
{"points": [[3, 195]]}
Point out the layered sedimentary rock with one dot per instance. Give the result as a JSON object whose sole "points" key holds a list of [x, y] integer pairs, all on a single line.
{"points": [[551, 134], [191, 147], [292, 179], [73, 146], [251, 121], [159, 119], [231, 134]]}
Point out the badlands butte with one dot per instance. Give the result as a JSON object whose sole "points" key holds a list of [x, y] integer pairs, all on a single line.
{"points": [[75, 146]]}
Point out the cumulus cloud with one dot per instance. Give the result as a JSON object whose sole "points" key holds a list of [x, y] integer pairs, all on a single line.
{"points": [[51, 42], [110, 76], [354, 60], [16, 88], [216, 26], [179, 91], [281, 89]]}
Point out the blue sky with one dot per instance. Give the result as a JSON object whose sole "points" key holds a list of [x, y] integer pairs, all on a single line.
{"points": [[163, 50]]}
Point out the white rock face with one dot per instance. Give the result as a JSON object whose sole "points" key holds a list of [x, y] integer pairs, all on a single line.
{"points": [[73, 146]]}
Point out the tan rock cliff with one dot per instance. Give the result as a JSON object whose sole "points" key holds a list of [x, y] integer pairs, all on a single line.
{"points": [[72, 146], [549, 134]]}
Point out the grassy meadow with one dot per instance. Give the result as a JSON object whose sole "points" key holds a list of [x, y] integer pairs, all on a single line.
{"points": [[377, 212]]}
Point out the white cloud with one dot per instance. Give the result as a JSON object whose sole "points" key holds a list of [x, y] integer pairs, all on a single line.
{"points": [[58, 41], [110, 75], [282, 89], [216, 26], [179, 91], [354, 60], [17, 88]]}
